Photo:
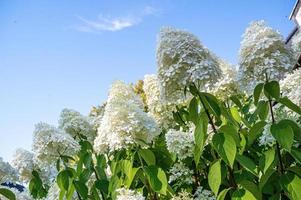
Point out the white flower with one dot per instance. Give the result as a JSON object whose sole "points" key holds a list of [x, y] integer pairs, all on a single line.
{"points": [[76, 124], [160, 111], [227, 85], [24, 195], [290, 86], [267, 139], [96, 114], [7, 172], [184, 195], [23, 161], [181, 60], [203, 194], [50, 143], [180, 173], [180, 143], [262, 51], [127, 194], [124, 122], [296, 44]]}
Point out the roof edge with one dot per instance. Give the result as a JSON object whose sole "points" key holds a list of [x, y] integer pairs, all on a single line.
{"points": [[294, 9]]}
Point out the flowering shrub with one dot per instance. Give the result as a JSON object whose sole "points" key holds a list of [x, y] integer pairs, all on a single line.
{"points": [[188, 133]]}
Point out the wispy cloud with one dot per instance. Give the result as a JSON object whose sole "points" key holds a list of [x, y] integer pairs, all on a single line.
{"points": [[108, 23]]}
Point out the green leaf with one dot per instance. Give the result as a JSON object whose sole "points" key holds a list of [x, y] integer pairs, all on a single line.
{"points": [[284, 135], [215, 176], [235, 114], [85, 175], [193, 110], [222, 194], [225, 146], [242, 194], [157, 179], [294, 126], [288, 103], [62, 179], [87, 160], [291, 184], [272, 89], [255, 131], [101, 172], [236, 101], [200, 134], [102, 185], [251, 187], [7, 193], [193, 90], [296, 153], [247, 163], [230, 130], [295, 169], [265, 177], [148, 156], [267, 159], [81, 188], [129, 171], [262, 110], [257, 92], [213, 103]]}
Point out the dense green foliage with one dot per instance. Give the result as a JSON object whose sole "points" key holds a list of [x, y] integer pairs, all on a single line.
{"points": [[232, 165]]}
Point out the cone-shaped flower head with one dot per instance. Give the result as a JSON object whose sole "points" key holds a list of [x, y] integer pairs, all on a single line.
{"points": [[227, 85], [181, 60], [77, 125], [262, 52], [124, 121], [50, 143], [23, 161], [161, 112]]}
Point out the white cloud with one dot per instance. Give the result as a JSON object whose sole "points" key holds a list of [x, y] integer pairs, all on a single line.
{"points": [[108, 23]]}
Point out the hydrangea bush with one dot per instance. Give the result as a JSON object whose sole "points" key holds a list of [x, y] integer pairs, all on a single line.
{"points": [[190, 132]]}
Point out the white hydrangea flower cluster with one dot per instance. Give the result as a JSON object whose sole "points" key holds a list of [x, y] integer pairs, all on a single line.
{"points": [[75, 124], [203, 194], [227, 85], [262, 51], [96, 114], [291, 87], [296, 44], [7, 172], [24, 195], [161, 112], [127, 194], [180, 172], [267, 139], [124, 122], [180, 143], [183, 195], [181, 60], [50, 143], [23, 162]]}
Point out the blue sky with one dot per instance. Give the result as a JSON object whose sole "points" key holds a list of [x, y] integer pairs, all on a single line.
{"points": [[57, 54]]}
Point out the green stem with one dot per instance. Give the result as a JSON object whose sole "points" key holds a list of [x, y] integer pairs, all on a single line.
{"points": [[277, 144], [274, 121]]}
